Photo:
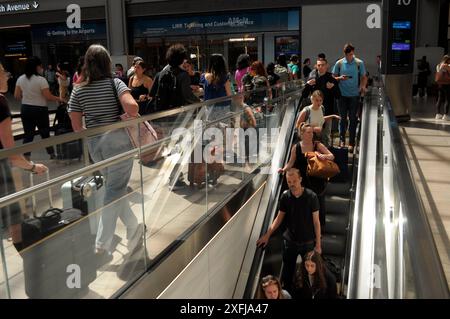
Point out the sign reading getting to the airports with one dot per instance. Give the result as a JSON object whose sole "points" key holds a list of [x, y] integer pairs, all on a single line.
{"points": [[18, 7]]}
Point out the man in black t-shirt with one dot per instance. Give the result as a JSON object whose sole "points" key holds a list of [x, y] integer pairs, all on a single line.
{"points": [[300, 207]]}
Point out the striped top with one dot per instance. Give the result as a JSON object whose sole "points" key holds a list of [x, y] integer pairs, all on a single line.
{"points": [[97, 102]]}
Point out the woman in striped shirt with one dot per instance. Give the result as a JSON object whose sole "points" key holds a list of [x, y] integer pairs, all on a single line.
{"points": [[95, 99]]}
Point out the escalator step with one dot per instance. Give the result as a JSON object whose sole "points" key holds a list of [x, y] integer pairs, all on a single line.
{"points": [[333, 245], [336, 224], [338, 189], [337, 205]]}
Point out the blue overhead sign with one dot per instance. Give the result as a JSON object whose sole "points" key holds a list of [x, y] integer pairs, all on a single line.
{"points": [[223, 23]]}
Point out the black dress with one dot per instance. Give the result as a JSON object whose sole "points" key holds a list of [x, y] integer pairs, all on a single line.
{"points": [[136, 92]]}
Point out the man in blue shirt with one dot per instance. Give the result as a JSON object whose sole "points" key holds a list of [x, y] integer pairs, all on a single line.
{"points": [[351, 74]]}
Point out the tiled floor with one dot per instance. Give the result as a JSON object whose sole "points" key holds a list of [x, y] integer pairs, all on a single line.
{"points": [[428, 143]]}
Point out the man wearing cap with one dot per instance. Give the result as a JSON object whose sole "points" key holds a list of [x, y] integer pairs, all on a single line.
{"points": [[130, 72]]}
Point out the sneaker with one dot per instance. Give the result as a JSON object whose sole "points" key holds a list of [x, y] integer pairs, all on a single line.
{"points": [[446, 117], [438, 116]]}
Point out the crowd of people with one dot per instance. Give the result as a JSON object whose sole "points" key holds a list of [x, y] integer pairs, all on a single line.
{"points": [[97, 96]]}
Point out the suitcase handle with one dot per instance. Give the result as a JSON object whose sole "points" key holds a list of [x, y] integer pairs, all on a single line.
{"points": [[33, 197]]}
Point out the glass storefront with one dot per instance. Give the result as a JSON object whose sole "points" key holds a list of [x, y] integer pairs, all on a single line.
{"points": [[229, 34]]}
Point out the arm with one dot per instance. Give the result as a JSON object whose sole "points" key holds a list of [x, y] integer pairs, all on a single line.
{"points": [[269, 90], [292, 160], [316, 222], [324, 153], [129, 105], [301, 119], [251, 116], [186, 91], [77, 121], [50, 97], [7, 140], [228, 88], [130, 82], [18, 93], [275, 224], [331, 117]]}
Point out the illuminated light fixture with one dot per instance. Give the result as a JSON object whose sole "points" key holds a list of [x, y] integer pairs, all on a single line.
{"points": [[242, 39]]}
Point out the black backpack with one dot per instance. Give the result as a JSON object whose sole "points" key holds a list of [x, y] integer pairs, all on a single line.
{"points": [[167, 95]]}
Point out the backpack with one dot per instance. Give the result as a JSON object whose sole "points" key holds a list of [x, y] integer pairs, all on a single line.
{"points": [[259, 83], [166, 94], [282, 72]]}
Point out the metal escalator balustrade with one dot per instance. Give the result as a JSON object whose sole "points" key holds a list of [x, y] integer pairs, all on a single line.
{"points": [[392, 255]]}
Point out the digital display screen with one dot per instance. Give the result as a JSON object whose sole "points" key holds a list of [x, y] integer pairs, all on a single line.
{"points": [[401, 43]]}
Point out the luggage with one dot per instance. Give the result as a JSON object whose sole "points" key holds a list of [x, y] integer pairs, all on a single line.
{"points": [[59, 261], [197, 171], [85, 194], [341, 159]]}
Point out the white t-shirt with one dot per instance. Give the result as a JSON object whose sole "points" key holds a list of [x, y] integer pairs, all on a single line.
{"points": [[32, 90], [316, 117]]}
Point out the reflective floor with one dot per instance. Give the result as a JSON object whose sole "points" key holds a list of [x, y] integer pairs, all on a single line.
{"points": [[428, 145]]}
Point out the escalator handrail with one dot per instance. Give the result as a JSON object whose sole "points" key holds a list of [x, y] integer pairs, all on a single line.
{"points": [[271, 211]]}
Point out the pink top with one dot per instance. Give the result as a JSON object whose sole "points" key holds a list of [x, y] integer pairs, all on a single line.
{"points": [[76, 78], [238, 76]]}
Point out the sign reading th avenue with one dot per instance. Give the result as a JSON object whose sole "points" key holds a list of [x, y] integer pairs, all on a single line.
{"points": [[18, 7]]}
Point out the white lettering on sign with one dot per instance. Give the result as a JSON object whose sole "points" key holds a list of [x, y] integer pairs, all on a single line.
{"points": [[374, 19], [18, 7], [74, 19]]}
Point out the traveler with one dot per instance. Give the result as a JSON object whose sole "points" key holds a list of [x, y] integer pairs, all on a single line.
{"points": [[282, 69], [315, 116], [140, 85], [130, 72], [172, 86], [77, 76], [255, 81], [299, 160], [351, 74], [50, 76], [33, 90], [293, 66], [63, 77], [443, 101], [95, 98], [11, 216], [242, 66], [422, 78], [313, 280], [306, 68], [320, 79], [270, 288], [300, 208]]}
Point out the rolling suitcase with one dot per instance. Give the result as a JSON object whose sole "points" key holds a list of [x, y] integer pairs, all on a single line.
{"points": [[85, 194], [59, 261]]}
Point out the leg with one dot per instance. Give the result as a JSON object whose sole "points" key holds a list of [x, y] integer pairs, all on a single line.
{"points": [[290, 253], [353, 114], [343, 113], [447, 99], [29, 125], [440, 100], [43, 124]]}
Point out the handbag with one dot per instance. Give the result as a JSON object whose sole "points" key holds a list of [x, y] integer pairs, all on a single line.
{"points": [[140, 135], [442, 78], [321, 168]]}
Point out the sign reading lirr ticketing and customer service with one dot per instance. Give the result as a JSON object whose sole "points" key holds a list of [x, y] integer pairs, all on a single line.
{"points": [[18, 7]]}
